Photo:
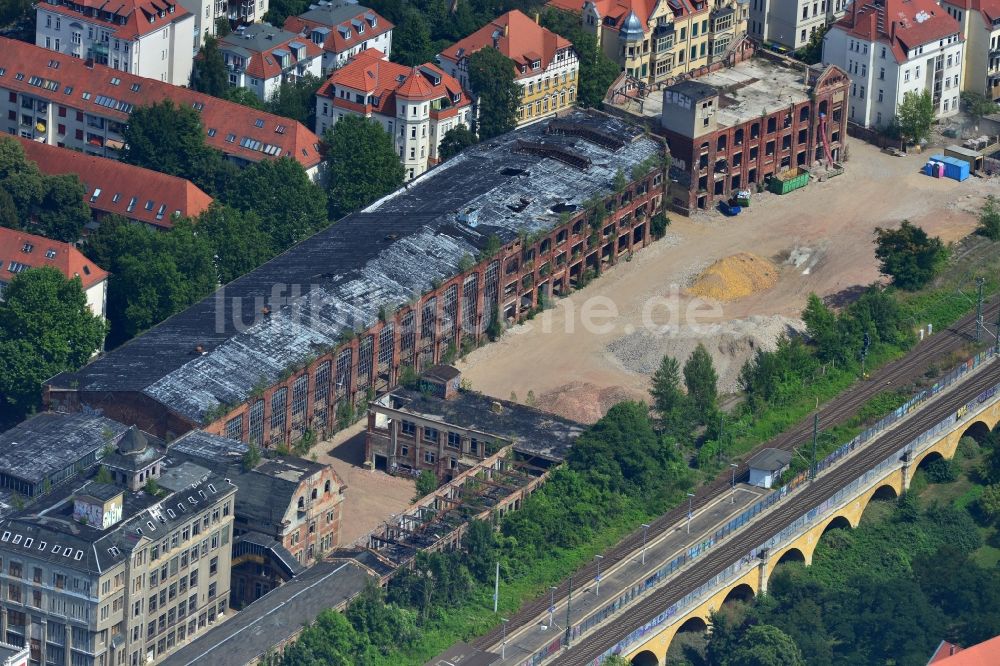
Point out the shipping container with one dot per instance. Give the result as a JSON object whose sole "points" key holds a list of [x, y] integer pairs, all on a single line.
{"points": [[954, 168]]}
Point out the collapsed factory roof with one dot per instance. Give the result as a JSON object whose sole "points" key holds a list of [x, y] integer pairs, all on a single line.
{"points": [[299, 304]]}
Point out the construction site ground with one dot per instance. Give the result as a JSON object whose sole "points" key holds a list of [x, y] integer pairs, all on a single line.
{"points": [[820, 238]]}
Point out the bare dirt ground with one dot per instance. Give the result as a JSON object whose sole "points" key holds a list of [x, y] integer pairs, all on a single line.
{"points": [[820, 237], [371, 496]]}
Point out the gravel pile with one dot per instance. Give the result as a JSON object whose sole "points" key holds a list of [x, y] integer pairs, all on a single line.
{"points": [[730, 344]]}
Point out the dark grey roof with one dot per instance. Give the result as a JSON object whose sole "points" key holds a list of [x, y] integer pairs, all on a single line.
{"points": [[340, 279], [101, 492], [441, 373], [255, 38], [182, 476], [463, 654], [770, 460], [50, 442], [531, 430], [133, 461], [133, 441], [694, 89], [334, 13], [272, 549], [273, 618], [210, 448]]}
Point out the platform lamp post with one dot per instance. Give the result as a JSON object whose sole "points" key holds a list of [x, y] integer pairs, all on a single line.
{"points": [[645, 532], [690, 510], [735, 466], [597, 590], [503, 643], [552, 605]]}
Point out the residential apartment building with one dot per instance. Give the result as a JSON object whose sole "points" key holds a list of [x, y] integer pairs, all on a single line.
{"points": [[343, 29], [260, 58], [790, 24], [149, 38], [399, 273], [546, 65], [416, 106], [736, 127], [68, 102], [656, 40], [980, 22], [98, 574], [208, 14], [448, 431], [112, 187], [20, 251], [893, 47]]}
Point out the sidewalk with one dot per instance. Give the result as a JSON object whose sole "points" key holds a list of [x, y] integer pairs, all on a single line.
{"points": [[661, 548]]}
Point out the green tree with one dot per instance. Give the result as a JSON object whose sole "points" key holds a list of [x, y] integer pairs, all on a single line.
{"points": [[384, 625], [363, 164], [915, 115], [979, 105], [765, 645], [481, 548], [296, 100], [243, 96], [62, 212], [9, 216], [498, 94], [209, 72], [46, 328], [331, 641], [668, 399], [289, 205], [822, 327], [222, 28], [455, 141], [238, 242], [812, 52], [13, 159], [103, 475], [701, 382], [989, 502], [908, 255], [989, 219], [411, 39], [426, 483]]}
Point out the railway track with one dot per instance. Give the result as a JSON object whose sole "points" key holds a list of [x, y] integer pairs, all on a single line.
{"points": [[804, 500], [898, 373]]}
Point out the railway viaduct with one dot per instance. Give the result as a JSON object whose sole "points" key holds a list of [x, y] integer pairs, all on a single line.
{"points": [[797, 542]]}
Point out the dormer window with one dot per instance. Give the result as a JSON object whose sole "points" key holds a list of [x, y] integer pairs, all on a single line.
{"points": [[535, 64], [27, 248]]}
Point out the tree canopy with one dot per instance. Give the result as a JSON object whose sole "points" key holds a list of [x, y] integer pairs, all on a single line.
{"points": [[455, 141], [363, 164], [908, 255], [46, 328], [492, 80], [296, 99], [701, 381], [209, 75], [239, 243], [915, 115]]}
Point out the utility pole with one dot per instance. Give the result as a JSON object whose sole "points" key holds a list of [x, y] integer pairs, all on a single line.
{"points": [[864, 353], [569, 605], [496, 590], [645, 530], [690, 510], [980, 281], [597, 591], [734, 466], [812, 467], [552, 605], [503, 645]]}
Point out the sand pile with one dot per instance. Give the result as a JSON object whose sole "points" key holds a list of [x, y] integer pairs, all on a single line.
{"points": [[582, 401], [734, 277]]}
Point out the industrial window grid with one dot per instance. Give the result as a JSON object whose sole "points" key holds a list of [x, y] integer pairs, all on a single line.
{"points": [[365, 352], [321, 394], [344, 373], [428, 322], [300, 393], [385, 343], [450, 311], [234, 428], [407, 337], [257, 422], [492, 291], [470, 296], [279, 403]]}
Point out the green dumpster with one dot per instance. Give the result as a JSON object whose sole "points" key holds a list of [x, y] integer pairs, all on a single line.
{"points": [[793, 179]]}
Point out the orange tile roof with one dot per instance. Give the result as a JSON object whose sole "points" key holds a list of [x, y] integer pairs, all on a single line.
{"points": [[140, 17], [372, 74], [894, 23], [335, 41], [986, 653], [19, 248], [514, 34], [234, 129], [119, 183]]}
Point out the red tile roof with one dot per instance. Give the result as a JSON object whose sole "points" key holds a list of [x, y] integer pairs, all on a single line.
{"points": [[234, 129], [618, 10], [372, 74], [515, 35], [119, 183], [41, 251], [989, 10], [141, 17], [335, 41], [265, 63], [900, 24], [983, 654]]}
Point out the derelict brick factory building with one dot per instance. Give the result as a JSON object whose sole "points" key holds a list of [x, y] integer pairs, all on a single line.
{"points": [[297, 343]]}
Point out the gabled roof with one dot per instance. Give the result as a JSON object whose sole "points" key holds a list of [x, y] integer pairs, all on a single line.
{"points": [[263, 46], [988, 10], [126, 19], [234, 129], [986, 653], [370, 73], [339, 22], [618, 10], [515, 35], [900, 24], [20, 250], [113, 187]]}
